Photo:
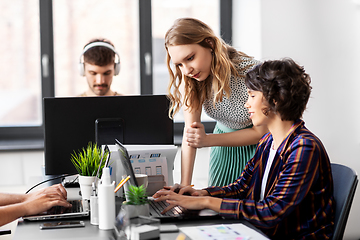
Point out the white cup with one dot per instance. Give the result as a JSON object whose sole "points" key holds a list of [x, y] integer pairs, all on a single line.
{"points": [[142, 179]]}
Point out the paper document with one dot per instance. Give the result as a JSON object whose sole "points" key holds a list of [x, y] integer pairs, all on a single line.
{"points": [[236, 231]]}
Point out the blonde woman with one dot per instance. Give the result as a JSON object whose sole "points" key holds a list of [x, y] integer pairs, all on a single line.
{"points": [[205, 72]]}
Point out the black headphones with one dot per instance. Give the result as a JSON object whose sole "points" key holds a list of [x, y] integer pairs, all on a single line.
{"points": [[98, 44]]}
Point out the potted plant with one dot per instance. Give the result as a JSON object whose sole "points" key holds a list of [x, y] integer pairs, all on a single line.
{"points": [[88, 161], [136, 203]]}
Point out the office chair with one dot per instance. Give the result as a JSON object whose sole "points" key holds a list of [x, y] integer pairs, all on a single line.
{"points": [[345, 182]]}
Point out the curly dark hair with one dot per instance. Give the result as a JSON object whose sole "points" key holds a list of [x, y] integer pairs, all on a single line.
{"points": [[284, 84], [99, 55]]}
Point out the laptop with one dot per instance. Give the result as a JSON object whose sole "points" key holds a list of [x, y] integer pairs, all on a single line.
{"points": [[80, 208], [175, 214]]}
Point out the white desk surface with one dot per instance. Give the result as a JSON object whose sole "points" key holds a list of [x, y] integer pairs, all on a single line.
{"points": [[31, 231]]}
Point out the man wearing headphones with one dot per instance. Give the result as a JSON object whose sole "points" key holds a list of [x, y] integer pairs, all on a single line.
{"points": [[99, 62]]}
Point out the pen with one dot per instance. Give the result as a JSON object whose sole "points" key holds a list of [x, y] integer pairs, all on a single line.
{"points": [[121, 183], [93, 188], [97, 174], [108, 156]]}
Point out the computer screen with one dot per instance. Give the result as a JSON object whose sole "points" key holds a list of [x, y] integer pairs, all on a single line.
{"points": [[72, 122]]}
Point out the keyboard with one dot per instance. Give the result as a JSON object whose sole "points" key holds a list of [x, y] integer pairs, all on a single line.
{"points": [[158, 207], [76, 207]]}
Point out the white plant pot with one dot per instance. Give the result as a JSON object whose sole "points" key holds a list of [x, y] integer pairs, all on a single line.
{"points": [[136, 210], [85, 183]]}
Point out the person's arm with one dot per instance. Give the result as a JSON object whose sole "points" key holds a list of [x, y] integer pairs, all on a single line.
{"points": [[11, 198], [210, 198], [14, 206], [290, 187], [198, 199], [188, 153], [196, 137]]}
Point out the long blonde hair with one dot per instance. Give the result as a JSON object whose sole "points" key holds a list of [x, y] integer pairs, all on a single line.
{"points": [[225, 58]]}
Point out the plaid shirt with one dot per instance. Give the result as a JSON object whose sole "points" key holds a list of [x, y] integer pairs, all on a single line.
{"points": [[298, 201]]}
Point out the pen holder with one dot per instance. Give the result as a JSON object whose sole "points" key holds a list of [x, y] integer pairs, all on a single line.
{"points": [[94, 210], [106, 201]]}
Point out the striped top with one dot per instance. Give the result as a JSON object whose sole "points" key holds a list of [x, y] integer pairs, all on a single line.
{"points": [[298, 201]]}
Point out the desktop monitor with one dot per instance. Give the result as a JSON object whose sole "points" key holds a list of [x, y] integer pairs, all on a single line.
{"points": [[72, 122]]}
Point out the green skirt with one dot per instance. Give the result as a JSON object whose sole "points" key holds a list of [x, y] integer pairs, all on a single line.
{"points": [[227, 163]]}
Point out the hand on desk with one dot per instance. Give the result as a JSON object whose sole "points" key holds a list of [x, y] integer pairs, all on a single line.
{"points": [[14, 206], [184, 196], [44, 199]]}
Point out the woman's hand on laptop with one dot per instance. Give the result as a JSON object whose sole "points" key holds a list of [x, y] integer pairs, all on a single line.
{"points": [[189, 202], [185, 190], [44, 199]]}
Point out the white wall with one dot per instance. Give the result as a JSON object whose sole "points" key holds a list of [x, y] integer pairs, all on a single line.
{"points": [[324, 37], [18, 170]]}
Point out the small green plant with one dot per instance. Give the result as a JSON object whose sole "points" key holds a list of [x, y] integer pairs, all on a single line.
{"points": [[136, 195], [88, 159]]}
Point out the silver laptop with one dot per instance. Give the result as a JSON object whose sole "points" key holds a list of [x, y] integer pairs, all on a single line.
{"points": [[80, 208], [176, 213]]}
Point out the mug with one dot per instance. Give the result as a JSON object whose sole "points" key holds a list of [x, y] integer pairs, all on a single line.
{"points": [[142, 179]]}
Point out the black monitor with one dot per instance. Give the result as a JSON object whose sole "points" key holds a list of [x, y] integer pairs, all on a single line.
{"points": [[71, 123]]}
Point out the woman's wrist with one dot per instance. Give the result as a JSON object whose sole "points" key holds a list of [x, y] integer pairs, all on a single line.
{"points": [[203, 193], [212, 203], [211, 140]]}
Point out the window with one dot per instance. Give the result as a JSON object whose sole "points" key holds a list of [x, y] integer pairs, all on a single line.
{"points": [[20, 91], [43, 41], [78, 22], [164, 13]]}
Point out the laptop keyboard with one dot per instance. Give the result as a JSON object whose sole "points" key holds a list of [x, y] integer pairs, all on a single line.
{"points": [[76, 207], [158, 207]]}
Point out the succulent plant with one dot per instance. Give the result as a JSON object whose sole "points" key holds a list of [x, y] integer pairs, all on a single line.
{"points": [[136, 195]]}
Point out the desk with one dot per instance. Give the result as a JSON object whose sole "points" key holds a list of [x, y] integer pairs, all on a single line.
{"points": [[31, 231]]}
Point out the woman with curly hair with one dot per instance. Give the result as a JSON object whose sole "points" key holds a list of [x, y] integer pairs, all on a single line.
{"points": [[286, 189], [205, 72]]}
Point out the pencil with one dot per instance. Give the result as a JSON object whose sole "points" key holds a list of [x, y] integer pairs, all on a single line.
{"points": [[118, 186], [181, 236], [121, 183]]}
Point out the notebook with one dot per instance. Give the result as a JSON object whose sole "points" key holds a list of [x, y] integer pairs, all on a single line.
{"points": [[175, 214], [79, 208]]}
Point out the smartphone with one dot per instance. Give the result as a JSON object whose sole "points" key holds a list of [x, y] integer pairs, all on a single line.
{"points": [[62, 224]]}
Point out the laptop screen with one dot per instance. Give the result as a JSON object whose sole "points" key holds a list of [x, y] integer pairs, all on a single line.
{"points": [[125, 160]]}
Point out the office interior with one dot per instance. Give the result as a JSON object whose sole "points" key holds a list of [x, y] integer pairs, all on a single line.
{"points": [[323, 36]]}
